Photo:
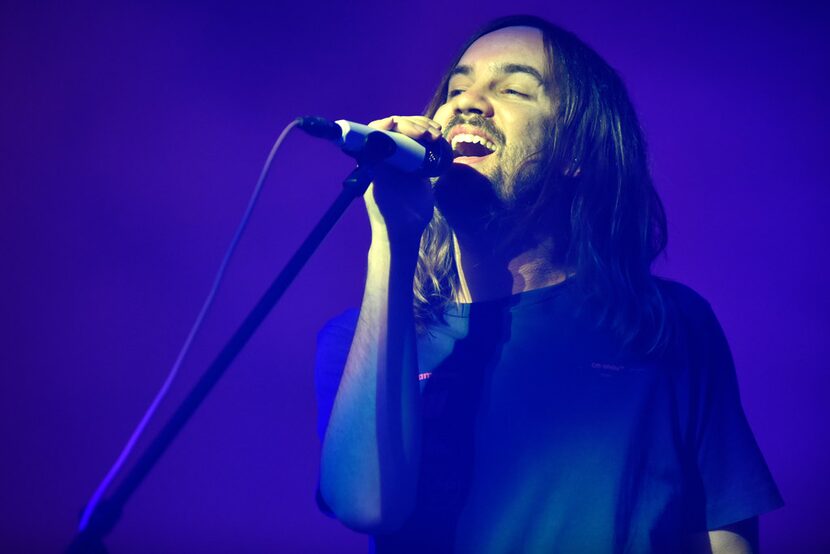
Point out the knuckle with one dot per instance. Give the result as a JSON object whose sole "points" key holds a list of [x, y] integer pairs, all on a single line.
{"points": [[383, 124]]}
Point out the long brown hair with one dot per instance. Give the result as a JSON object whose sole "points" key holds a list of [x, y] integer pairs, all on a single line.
{"points": [[597, 200]]}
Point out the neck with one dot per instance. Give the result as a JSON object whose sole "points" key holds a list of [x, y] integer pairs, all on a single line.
{"points": [[486, 275]]}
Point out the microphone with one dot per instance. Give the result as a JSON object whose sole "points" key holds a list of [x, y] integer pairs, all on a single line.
{"points": [[371, 146]]}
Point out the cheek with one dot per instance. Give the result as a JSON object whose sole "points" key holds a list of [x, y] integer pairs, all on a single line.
{"points": [[442, 115], [534, 133]]}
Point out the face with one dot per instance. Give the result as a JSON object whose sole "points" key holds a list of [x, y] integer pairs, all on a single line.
{"points": [[499, 108]]}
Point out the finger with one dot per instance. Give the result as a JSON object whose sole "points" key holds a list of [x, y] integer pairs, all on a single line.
{"points": [[424, 120], [416, 129], [385, 124], [432, 126], [418, 126], [412, 129]]}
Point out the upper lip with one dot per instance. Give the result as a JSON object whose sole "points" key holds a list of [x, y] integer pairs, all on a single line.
{"points": [[469, 130]]}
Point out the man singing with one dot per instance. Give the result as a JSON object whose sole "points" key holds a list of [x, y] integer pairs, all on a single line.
{"points": [[517, 380]]}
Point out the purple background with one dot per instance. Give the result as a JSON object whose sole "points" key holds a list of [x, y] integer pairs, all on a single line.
{"points": [[132, 136]]}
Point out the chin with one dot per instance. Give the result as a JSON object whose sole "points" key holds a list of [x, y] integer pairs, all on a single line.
{"points": [[465, 195]]}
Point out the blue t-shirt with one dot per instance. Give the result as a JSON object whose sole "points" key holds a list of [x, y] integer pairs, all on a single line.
{"points": [[539, 436]]}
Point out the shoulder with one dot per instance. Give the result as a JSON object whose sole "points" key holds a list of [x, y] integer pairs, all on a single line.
{"points": [[686, 305], [695, 329], [333, 342], [344, 323], [682, 296]]}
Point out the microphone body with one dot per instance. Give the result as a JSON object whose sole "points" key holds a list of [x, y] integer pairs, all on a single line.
{"points": [[371, 146]]}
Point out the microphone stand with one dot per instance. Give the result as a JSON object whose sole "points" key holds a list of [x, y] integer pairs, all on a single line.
{"points": [[106, 515]]}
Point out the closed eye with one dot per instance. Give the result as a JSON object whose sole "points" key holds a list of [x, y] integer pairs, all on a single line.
{"points": [[454, 92], [515, 92]]}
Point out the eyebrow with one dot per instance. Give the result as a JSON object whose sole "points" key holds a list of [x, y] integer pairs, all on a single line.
{"points": [[506, 68]]}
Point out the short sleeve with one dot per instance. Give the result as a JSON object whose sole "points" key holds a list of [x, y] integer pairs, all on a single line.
{"points": [[333, 343], [736, 482]]}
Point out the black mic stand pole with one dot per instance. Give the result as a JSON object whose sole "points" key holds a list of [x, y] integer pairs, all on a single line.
{"points": [[106, 515]]}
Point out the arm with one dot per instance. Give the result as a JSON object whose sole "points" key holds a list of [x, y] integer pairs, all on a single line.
{"points": [[736, 483], [736, 538], [371, 449]]}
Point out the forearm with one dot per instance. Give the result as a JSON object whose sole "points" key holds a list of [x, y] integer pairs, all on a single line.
{"points": [[371, 449], [736, 538]]}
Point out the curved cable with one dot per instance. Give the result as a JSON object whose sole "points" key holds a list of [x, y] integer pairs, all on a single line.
{"points": [[197, 324]]}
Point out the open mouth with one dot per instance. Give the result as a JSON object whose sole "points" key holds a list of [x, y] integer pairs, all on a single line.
{"points": [[471, 146]]}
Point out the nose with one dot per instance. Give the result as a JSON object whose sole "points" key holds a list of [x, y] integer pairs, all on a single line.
{"points": [[473, 101]]}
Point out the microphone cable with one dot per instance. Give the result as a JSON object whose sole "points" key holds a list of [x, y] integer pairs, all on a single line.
{"points": [[89, 509]]}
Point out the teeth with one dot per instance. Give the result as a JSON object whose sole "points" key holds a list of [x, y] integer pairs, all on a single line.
{"points": [[463, 137]]}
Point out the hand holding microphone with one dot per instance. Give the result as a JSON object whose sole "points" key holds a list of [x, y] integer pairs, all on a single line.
{"points": [[410, 144], [404, 152]]}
